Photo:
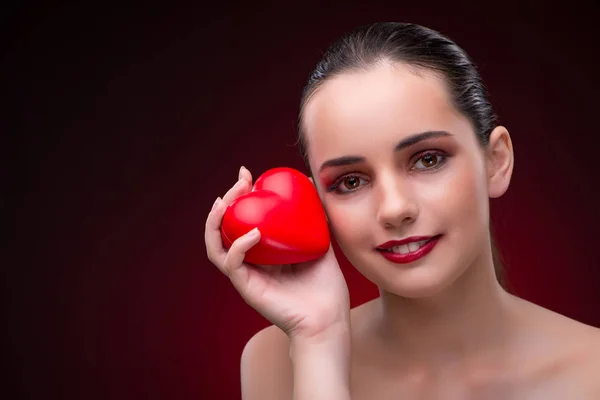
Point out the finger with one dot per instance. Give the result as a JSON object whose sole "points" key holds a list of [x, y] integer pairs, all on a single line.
{"points": [[235, 256], [212, 234], [245, 174], [241, 187]]}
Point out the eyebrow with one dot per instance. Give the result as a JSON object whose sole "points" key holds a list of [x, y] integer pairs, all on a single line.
{"points": [[404, 143]]}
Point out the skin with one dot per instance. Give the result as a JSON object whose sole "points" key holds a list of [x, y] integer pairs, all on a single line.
{"points": [[442, 327]]}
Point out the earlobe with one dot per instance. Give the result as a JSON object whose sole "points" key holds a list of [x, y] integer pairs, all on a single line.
{"points": [[500, 162]]}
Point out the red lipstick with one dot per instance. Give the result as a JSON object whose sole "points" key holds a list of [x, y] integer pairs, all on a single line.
{"points": [[385, 249]]}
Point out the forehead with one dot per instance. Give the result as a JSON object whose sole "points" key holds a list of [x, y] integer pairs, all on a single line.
{"points": [[355, 112]]}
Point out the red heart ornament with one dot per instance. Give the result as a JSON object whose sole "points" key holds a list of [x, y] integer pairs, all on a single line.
{"points": [[286, 208]]}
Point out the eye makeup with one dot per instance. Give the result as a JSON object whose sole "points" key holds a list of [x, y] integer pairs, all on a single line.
{"points": [[440, 157]]}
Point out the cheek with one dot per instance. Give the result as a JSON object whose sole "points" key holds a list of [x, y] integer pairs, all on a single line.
{"points": [[460, 200], [348, 220]]}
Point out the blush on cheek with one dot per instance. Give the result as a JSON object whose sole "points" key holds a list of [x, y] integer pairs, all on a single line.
{"points": [[468, 200], [349, 225]]}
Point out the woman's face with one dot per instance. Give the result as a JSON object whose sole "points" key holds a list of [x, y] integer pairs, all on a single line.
{"points": [[380, 182]]}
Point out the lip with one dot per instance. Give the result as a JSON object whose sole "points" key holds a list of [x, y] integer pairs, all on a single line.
{"points": [[409, 257], [392, 243]]}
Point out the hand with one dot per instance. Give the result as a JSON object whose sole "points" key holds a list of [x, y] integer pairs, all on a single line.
{"points": [[304, 300]]}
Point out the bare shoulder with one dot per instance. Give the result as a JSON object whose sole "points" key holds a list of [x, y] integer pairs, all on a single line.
{"points": [[579, 371], [266, 369], [585, 363], [572, 351]]}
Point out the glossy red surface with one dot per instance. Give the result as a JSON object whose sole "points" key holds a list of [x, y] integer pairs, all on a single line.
{"points": [[286, 208]]}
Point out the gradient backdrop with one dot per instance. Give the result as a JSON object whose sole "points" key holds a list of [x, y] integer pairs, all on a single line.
{"points": [[131, 121]]}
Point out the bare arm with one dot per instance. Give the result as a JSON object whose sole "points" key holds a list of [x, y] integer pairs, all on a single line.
{"points": [[273, 367], [308, 302], [266, 369], [321, 365]]}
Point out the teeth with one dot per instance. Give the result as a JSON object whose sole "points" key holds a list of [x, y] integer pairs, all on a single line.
{"points": [[408, 248], [403, 249], [412, 246]]}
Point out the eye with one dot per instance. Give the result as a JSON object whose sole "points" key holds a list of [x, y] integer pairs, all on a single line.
{"points": [[347, 184], [431, 160]]}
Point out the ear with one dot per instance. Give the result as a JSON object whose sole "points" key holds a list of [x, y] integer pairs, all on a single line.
{"points": [[500, 162]]}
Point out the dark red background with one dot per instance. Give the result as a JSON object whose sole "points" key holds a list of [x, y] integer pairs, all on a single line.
{"points": [[130, 121]]}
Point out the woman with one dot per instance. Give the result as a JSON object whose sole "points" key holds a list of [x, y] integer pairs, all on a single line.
{"points": [[405, 152]]}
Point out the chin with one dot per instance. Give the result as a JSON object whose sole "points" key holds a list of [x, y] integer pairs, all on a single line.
{"points": [[418, 283], [414, 282]]}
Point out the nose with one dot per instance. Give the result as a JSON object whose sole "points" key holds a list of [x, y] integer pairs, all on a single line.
{"points": [[396, 204]]}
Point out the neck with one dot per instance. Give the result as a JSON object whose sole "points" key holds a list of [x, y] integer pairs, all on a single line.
{"points": [[470, 319]]}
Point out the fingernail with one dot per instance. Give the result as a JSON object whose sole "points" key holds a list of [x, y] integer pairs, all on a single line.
{"points": [[217, 201], [253, 233], [242, 168]]}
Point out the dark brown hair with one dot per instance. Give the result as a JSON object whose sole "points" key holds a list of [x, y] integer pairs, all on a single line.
{"points": [[419, 48]]}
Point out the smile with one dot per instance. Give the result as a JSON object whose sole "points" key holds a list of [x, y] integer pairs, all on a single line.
{"points": [[409, 252], [408, 248]]}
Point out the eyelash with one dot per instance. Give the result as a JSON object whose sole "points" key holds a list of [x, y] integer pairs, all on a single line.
{"points": [[334, 186]]}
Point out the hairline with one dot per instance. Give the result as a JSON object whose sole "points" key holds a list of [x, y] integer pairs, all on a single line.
{"points": [[412, 67]]}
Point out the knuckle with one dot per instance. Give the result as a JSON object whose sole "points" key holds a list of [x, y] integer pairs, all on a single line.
{"points": [[235, 255], [226, 267], [239, 249], [208, 225], [210, 256]]}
